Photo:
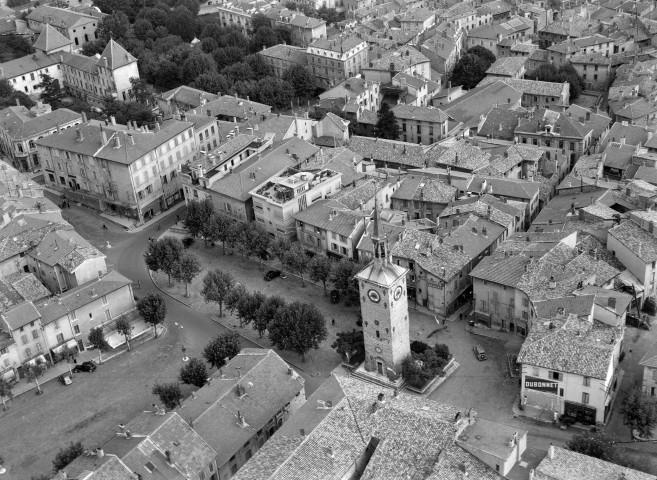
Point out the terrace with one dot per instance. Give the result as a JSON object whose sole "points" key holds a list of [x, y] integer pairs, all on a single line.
{"points": [[292, 183]]}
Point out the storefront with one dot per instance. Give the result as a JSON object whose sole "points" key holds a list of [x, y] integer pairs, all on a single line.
{"points": [[579, 412]]}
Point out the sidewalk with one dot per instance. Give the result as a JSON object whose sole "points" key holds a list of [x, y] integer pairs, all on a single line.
{"points": [[54, 371], [128, 223]]}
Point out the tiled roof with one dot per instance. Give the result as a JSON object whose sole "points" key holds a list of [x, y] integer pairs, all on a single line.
{"points": [[50, 39], [392, 151], [591, 59], [18, 123], [634, 108], [288, 53], [634, 134], [115, 55], [20, 315], [230, 106], [569, 344], [560, 125], [581, 306], [29, 63], [65, 248], [27, 286], [324, 214], [419, 15], [475, 235], [440, 46], [566, 47], [422, 114], [479, 100], [574, 26], [25, 232], [425, 188], [458, 153], [503, 269], [501, 123], [433, 256], [530, 87], [188, 96], [338, 44], [507, 66], [569, 465], [402, 58], [512, 188], [599, 122], [637, 240], [59, 17], [340, 159], [127, 153], [268, 386]]}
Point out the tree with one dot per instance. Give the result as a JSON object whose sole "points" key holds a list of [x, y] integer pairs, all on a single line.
{"points": [[222, 347], [66, 456], [329, 15], [97, 339], [280, 247], [182, 22], [198, 213], [6, 388], [351, 345], [264, 37], [255, 242], [260, 20], [141, 91], [320, 267], [266, 312], [116, 26], [188, 267], [163, 255], [153, 309], [296, 260], [594, 445], [33, 372], [248, 306], [197, 64], [469, 71], [343, 277], [259, 67], [217, 228], [234, 297], [194, 373], [211, 82], [482, 52], [170, 394], [301, 79], [6, 89], [216, 285], [386, 124], [52, 93], [639, 412], [298, 327], [565, 73], [124, 327], [275, 92]]}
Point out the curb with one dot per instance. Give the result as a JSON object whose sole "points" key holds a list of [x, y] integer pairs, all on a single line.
{"points": [[150, 274]]}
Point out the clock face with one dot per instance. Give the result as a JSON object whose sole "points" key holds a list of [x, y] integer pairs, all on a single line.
{"points": [[398, 292], [374, 296]]}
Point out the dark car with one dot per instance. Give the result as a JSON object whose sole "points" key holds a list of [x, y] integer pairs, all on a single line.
{"points": [[272, 274], [479, 352], [335, 296], [85, 367]]}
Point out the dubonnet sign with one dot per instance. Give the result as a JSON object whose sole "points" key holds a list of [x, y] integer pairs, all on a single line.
{"points": [[542, 385]]}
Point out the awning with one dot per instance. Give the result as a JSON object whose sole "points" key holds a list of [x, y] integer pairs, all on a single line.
{"points": [[628, 279], [70, 344], [34, 360]]}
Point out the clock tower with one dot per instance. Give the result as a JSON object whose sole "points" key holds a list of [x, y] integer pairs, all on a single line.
{"points": [[384, 307]]}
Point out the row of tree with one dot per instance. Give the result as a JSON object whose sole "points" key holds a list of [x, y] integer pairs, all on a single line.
{"points": [[248, 240], [169, 256]]}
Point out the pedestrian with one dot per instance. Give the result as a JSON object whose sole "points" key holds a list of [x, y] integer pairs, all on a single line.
{"points": [[177, 219], [333, 322], [104, 227], [159, 226], [460, 316]]}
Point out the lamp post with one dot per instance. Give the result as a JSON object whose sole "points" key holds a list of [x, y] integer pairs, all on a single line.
{"points": [[182, 346]]}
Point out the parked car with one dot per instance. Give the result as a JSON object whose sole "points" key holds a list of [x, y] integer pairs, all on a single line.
{"points": [[65, 378], [335, 296], [272, 274], [85, 367], [479, 352]]}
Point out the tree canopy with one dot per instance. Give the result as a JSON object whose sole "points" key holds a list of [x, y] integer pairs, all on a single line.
{"points": [[639, 411], [66, 455], [565, 73], [386, 124], [469, 71], [298, 327], [222, 347], [153, 309], [194, 372], [170, 394], [216, 285]]}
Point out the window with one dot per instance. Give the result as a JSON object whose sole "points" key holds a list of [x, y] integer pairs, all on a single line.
{"points": [[378, 334], [104, 299], [24, 339], [525, 302], [56, 324], [38, 347], [76, 329], [60, 337], [233, 469], [108, 315], [28, 352], [556, 376], [35, 334], [587, 381], [585, 397], [535, 371]]}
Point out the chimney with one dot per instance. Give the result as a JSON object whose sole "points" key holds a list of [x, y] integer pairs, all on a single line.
{"points": [[132, 139], [103, 137], [84, 117], [18, 102], [302, 432], [113, 120], [550, 453], [117, 141], [240, 419], [79, 135]]}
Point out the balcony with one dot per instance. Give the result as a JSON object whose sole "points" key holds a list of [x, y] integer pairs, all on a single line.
{"points": [[292, 183]]}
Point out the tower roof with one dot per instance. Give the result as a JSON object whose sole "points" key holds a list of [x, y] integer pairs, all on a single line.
{"points": [[381, 273], [50, 39], [116, 56]]}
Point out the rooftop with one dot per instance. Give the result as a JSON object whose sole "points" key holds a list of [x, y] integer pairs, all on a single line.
{"points": [[507, 66], [637, 240]]}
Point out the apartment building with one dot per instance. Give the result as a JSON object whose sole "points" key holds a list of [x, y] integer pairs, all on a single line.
{"points": [[20, 128], [336, 59], [25, 73], [536, 93], [423, 197], [304, 30], [570, 368], [77, 27], [278, 200], [281, 57], [424, 125], [595, 70], [417, 21], [183, 98], [360, 91], [131, 172], [649, 364]]}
